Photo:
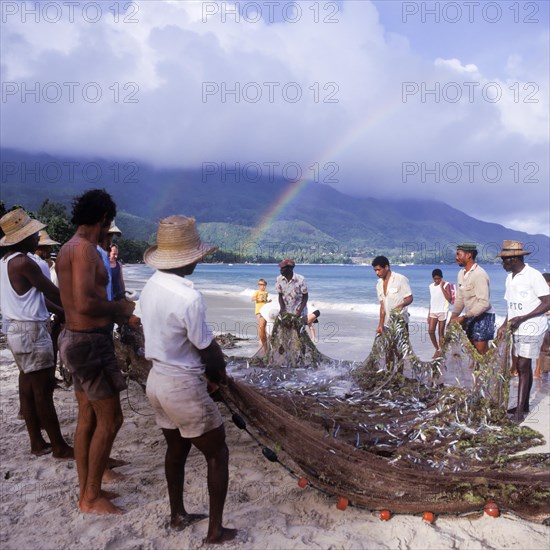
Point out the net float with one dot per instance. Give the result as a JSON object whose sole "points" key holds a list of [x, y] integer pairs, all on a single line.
{"points": [[342, 503], [428, 516], [492, 509], [385, 515], [302, 483]]}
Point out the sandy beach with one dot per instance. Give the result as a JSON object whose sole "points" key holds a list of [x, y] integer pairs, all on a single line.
{"points": [[39, 494]]}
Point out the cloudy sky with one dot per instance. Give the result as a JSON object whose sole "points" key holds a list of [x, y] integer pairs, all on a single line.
{"points": [[443, 100]]}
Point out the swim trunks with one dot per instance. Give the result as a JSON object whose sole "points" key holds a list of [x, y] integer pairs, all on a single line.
{"points": [[90, 358], [480, 328], [182, 402], [30, 344], [527, 346]]}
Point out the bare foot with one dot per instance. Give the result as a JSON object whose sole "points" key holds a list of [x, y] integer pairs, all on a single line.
{"points": [[225, 535], [42, 450], [108, 494], [65, 453], [109, 476], [180, 522], [101, 505], [116, 463], [436, 354]]}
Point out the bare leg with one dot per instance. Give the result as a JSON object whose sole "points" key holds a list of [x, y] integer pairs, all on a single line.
{"points": [[524, 387], [441, 327], [26, 401], [94, 454], [43, 384], [432, 322], [262, 334], [174, 466], [212, 446]]}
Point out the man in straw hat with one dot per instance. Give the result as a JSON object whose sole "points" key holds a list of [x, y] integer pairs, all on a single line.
{"points": [[86, 345], [472, 308], [23, 287], [182, 348], [528, 299]]}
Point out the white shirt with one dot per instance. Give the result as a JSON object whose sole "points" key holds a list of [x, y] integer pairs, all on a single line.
{"points": [[43, 264], [173, 315], [438, 302], [293, 292], [398, 288], [522, 294]]}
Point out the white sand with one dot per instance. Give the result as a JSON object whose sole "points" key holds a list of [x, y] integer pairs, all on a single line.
{"points": [[39, 495]]}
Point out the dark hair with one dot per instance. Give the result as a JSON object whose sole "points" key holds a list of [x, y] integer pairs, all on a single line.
{"points": [[473, 253], [437, 273], [546, 277], [382, 261], [316, 313], [90, 207]]}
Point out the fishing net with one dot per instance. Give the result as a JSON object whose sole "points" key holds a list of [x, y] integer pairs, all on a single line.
{"points": [[387, 433]]}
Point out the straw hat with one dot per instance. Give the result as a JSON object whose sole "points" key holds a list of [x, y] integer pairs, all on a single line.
{"points": [[287, 262], [512, 248], [17, 225], [114, 230], [178, 244], [45, 239]]}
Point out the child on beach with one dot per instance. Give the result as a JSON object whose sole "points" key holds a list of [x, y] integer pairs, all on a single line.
{"points": [[260, 297], [440, 297]]}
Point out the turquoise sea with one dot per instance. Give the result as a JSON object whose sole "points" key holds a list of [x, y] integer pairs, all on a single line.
{"points": [[341, 287]]}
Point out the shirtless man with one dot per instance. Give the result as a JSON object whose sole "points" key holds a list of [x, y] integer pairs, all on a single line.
{"points": [[86, 345], [23, 288]]}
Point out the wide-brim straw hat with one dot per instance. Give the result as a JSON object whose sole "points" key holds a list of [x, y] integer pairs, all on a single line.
{"points": [[114, 230], [17, 225], [178, 244], [45, 239], [512, 248]]}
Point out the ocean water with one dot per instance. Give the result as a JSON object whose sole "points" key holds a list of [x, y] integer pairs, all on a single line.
{"points": [[338, 287]]}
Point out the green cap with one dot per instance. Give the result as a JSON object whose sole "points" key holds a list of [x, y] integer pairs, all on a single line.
{"points": [[467, 247]]}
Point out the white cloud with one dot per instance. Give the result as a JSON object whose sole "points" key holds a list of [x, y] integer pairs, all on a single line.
{"points": [[170, 59]]}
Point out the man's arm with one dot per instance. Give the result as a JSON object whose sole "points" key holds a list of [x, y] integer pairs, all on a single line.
{"points": [[482, 303], [214, 363], [84, 265], [406, 302], [282, 305], [25, 273], [302, 305], [380, 327]]}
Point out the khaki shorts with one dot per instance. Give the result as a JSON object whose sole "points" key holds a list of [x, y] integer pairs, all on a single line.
{"points": [[31, 345], [182, 402], [527, 346]]}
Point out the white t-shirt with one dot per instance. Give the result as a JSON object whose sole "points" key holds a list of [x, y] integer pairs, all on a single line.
{"points": [[438, 302], [173, 315], [522, 294]]}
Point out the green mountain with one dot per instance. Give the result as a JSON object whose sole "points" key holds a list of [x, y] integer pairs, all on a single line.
{"points": [[318, 223]]}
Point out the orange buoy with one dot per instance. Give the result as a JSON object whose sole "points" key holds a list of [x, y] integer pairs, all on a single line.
{"points": [[428, 516], [342, 503], [492, 509], [385, 515], [302, 483]]}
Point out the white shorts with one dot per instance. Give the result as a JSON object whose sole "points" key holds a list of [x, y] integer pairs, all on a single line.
{"points": [[182, 402], [441, 316], [527, 346]]}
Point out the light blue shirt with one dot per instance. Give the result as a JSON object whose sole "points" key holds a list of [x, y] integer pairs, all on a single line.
{"points": [[107, 264]]}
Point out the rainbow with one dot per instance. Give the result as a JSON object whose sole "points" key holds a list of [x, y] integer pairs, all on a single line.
{"points": [[330, 155]]}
